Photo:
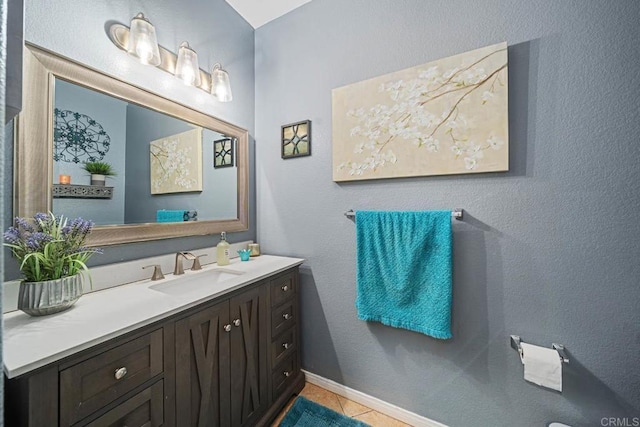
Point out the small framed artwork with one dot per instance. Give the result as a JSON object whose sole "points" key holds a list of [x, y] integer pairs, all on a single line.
{"points": [[296, 139], [223, 153]]}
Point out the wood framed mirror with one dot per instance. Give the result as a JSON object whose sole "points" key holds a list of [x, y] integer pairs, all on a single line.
{"points": [[39, 138]]}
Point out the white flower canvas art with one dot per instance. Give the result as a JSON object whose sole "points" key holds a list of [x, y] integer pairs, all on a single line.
{"points": [[448, 116], [176, 163]]}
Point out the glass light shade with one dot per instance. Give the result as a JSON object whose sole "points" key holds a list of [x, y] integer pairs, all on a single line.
{"points": [[187, 68], [220, 85], [143, 43]]}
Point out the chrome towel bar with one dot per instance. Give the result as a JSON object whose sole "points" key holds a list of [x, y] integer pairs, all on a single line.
{"points": [[456, 213]]}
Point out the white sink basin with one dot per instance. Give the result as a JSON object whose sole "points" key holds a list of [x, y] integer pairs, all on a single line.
{"points": [[196, 282]]}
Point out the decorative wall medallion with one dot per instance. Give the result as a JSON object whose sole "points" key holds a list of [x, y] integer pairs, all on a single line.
{"points": [[78, 138], [296, 139], [223, 153], [448, 116]]}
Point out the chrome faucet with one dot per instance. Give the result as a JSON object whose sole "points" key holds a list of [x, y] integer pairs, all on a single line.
{"points": [[179, 268], [157, 272], [196, 262]]}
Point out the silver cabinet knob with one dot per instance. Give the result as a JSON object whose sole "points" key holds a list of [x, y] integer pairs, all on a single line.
{"points": [[120, 373], [227, 328], [285, 288], [236, 322], [286, 345], [286, 373], [286, 316]]}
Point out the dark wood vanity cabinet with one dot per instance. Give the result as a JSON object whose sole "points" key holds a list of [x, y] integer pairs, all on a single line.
{"points": [[221, 362], [233, 361]]}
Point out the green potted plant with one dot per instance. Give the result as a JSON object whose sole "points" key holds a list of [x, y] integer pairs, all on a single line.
{"points": [[99, 171], [52, 254]]}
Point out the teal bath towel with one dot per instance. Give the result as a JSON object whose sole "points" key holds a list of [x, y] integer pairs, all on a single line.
{"points": [[404, 270]]}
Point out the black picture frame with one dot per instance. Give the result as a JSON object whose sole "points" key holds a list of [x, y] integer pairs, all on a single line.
{"points": [[223, 153], [296, 140]]}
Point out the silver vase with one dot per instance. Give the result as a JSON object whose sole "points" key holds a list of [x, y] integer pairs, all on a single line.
{"points": [[51, 296]]}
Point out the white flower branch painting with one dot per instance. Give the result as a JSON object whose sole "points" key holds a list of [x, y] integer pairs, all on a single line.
{"points": [[176, 163], [445, 117]]}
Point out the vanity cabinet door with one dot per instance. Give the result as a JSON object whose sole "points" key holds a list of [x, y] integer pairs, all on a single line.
{"points": [[249, 371], [202, 368]]}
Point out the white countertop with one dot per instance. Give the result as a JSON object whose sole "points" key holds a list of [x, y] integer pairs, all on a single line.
{"points": [[32, 342]]}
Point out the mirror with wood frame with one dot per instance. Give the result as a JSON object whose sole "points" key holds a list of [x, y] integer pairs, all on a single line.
{"points": [[178, 172]]}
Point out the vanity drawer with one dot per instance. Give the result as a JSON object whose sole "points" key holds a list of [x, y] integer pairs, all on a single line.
{"points": [[144, 409], [95, 382], [282, 289], [283, 346], [283, 375], [282, 318]]}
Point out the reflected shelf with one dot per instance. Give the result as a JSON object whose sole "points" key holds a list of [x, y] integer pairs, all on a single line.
{"points": [[66, 191]]}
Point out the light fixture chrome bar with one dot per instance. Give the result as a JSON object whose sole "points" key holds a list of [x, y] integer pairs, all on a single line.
{"points": [[456, 213], [119, 35]]}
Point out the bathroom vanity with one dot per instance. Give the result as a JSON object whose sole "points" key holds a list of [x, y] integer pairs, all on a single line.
{"points": [[219, 347]]}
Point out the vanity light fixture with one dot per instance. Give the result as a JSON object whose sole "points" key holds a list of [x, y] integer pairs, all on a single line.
{"points": [[187, 68], [220, 85], [140, 41], [143, 43]]}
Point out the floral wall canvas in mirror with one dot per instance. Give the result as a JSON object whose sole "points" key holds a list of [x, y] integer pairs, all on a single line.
{"points": [[223, 153], [448, 116], [296, 139], [176, 163]]}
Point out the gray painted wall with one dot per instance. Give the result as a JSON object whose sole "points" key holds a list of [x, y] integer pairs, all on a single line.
{"points": [[545, 251], [212, 27], [15, 27], [548, 250], [4, 181], [111, 113], [218, 199]]}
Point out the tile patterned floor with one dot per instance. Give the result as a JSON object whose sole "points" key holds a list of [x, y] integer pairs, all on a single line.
{"points": [[342, 406]]}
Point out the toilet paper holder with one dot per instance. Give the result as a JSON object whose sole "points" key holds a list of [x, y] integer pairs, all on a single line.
{"points": [[515, 344]]}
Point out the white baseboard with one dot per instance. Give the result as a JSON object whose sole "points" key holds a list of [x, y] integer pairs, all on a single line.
{"points": [[372, 402]]}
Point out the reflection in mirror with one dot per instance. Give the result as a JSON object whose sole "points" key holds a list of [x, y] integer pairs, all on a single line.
{"points": [[162, 152], [136, 141]]}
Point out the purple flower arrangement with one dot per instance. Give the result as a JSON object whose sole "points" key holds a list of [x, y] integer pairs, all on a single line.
{"points": [[50, 247]]}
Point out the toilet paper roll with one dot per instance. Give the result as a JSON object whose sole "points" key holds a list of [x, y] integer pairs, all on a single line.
{"points": [[542, 366]]}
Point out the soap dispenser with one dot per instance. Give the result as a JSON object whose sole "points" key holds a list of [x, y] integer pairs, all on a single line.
{"points": [[222, 250]]}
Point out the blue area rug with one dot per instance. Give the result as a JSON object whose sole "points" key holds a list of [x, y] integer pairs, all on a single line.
{"points": [[305, 413]]}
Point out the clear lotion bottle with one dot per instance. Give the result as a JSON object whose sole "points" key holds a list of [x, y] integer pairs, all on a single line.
{"points": [[222, 250]]}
